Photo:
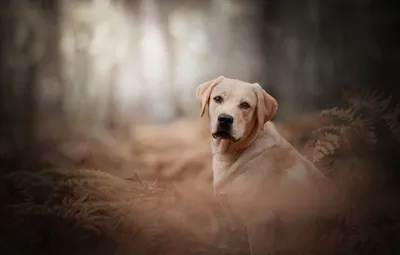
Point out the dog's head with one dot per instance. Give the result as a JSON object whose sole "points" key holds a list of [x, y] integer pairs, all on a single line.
{"points": [[235, 107]]}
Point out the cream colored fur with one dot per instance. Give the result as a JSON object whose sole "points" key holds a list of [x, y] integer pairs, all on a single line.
{"points": [[262, 175]]}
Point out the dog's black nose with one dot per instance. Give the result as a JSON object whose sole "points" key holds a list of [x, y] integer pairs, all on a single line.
{"points": [[225, 119]]}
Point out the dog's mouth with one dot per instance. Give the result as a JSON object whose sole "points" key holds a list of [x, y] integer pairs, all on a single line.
{"points": [[224, 135]]}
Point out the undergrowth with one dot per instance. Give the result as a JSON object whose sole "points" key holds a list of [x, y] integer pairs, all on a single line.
{"points": [[76, 210]]}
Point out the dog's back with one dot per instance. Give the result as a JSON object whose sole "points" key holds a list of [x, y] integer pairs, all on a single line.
{"points": [[275, 177]]}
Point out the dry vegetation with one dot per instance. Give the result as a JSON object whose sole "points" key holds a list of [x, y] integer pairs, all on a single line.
{"points": [[92, 194]]}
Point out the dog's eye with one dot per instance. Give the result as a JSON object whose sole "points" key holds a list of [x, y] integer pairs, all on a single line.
{"points": [[244, 105], [218, 99]]}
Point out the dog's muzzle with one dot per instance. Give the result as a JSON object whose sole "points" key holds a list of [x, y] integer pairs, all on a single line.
{"points": [[224, 128]]}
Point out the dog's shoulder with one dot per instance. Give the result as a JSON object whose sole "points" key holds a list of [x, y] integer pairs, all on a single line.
{"points": [[270, 137], [284, 158], [275, 148]]}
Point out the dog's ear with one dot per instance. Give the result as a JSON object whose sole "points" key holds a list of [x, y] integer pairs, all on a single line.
{"points": [[266, 106], [203, 92]]}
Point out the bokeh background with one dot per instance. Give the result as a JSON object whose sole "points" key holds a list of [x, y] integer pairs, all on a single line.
{"points": [[90, 85], [141, 60]]}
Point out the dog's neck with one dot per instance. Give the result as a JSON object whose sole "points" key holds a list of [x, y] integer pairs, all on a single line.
{"points": [[226, 153]]}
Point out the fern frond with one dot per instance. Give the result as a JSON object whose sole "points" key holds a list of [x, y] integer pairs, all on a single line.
{"points": [[325, 147], [340, 113], [367, 99], [392, 120], [347, 129]]}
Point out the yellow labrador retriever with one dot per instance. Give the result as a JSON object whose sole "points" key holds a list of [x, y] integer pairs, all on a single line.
{"points": [[261, 174]]}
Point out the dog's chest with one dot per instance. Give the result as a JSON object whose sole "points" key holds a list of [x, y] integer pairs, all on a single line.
{"points": [[221, 170], [244, 179]]}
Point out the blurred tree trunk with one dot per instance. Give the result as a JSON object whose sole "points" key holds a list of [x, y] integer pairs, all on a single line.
{"points": [[125, 102], [221, 40], [96, 43], [348, 47], [292, 57], [315, 48], [27, 34]]}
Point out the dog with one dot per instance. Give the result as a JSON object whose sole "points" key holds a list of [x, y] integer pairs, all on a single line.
{"points": [[253, 165]]}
